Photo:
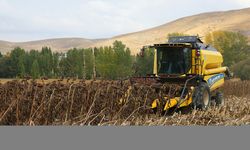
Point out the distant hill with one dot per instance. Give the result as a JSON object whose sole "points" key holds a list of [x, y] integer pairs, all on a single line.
{"points": [[234, 20], [60, 44]]}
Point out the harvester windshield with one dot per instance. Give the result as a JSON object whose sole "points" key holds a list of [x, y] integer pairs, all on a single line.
{"points": [[173, 60]]}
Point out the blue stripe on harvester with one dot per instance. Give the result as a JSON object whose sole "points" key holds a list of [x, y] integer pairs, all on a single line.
{"points": [[215, 78]]}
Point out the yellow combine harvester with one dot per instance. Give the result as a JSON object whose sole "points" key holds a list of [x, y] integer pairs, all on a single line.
{"points": [[197, 67]]}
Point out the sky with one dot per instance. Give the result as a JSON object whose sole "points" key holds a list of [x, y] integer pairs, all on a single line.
{"points": [[27, 20]]}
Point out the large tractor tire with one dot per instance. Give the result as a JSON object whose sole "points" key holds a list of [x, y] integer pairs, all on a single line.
{"points": [[201, 96], [219, 99]]}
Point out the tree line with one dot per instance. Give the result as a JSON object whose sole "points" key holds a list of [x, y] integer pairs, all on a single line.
{"points": [[113, 62], [116, 61]]}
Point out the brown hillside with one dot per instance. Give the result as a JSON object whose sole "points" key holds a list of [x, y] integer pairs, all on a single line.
{"points": [[234, 20], [60, 44]]}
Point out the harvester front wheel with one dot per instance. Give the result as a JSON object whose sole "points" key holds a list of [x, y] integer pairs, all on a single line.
{"points": [[201, 96]]}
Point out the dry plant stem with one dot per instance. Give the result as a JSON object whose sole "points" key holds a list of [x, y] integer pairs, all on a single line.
{"points": [[110, 103], [131, 114], [49, 105], [119, 111], [5, 112], [42, 103], [83, 118], [32, 105], [17, 111], [72, 101], [92, 105], [67, 112], [96, 116]]}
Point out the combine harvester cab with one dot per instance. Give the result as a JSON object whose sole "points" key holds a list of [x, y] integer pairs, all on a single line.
{"points": [[197, 68]]}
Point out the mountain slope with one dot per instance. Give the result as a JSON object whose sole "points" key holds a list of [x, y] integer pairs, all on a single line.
{"points": [[234, 20], [60, 44]]}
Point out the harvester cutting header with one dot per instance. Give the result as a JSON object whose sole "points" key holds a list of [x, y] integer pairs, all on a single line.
{"points": [[196, 67]]}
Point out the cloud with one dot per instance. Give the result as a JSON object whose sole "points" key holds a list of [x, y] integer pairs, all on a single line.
{"points": [[242, 2], [29, 19]]}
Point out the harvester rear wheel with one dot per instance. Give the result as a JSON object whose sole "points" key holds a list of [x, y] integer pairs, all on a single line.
{"points": [[219, 100], [201, 96]]}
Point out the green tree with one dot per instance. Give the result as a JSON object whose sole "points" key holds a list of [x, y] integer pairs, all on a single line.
{"points": [[6, 71], [29, 58], [123, 60], [89, 63], [114, 62], [35, 73], [144, 64], [45, 62], [105, 63], [17, 62], [242, 69], [55, 64], [21, 67], [232, 45], [72, 65]]}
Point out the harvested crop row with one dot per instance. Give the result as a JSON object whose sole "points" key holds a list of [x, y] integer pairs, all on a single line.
{"points": [[106, 103], [58, 103]]}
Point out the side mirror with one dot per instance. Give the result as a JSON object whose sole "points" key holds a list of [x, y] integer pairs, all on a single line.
{"points": [[207, 46]]}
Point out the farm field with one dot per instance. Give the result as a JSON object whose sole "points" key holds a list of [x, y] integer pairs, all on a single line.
{"points": [[78, 102], [44, 81]]}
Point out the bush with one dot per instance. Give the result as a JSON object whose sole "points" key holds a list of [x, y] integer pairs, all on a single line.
{"points": [[233, 45], [242, 69]]}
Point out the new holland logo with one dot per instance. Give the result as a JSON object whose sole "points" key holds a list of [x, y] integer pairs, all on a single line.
{"points": [[215, 78]]}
